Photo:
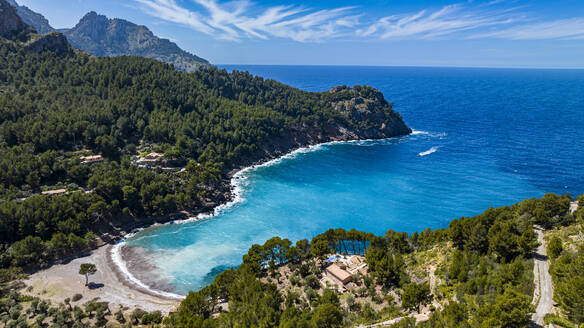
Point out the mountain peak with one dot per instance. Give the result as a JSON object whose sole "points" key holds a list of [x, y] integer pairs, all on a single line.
{"points": [[92, 15], [102, 36]]}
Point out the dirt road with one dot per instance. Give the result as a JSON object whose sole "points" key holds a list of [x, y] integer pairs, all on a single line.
{"points": [[544, 291]]}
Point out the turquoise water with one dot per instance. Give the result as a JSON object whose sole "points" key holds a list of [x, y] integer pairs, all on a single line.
{"points": [[489, 138]]}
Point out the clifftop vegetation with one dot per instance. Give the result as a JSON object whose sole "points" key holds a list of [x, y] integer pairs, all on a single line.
{"points": [[565, 246]]}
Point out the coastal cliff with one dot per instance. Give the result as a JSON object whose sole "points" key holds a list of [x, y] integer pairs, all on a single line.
{"points": [[364, 114], [361, 113]]}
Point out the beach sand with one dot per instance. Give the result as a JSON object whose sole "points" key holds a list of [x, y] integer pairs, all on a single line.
{"points": [[62, 281]]}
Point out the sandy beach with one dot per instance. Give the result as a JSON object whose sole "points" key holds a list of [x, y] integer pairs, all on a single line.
{"points": [[62, 281]]}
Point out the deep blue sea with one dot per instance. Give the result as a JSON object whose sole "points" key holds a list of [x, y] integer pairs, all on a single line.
{"points": [[490, 137]]}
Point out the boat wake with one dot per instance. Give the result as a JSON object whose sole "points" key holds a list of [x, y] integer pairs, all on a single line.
{"points": [[429, 151], [440, 135]]}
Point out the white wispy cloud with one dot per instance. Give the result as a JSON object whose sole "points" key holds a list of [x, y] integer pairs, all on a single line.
{"points": [[232, 21], [448, 20], [170, 11], [241, 19], [566, 29]]}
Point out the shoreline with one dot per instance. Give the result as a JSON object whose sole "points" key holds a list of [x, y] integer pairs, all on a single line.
{"points": [[127, 279], [236, 177], [236, 182], [108, 255]]}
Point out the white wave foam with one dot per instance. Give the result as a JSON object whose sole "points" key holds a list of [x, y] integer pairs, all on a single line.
{"points": [[430, 134], [116, 256], [241, 179], [416, 132], [429, 151]]}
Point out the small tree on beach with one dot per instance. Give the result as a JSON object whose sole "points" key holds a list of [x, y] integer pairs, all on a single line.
{"points": [[87, 269]]}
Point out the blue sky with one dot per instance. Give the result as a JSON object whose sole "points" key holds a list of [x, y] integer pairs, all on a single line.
{"points": [[490, 33]]}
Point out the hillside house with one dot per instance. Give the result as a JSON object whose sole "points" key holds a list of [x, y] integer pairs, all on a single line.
{"points": [[54, 192], [337, 272], [91, 159]]}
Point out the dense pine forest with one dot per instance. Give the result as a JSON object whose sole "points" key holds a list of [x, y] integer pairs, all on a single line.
{"points": [[58, 104]]}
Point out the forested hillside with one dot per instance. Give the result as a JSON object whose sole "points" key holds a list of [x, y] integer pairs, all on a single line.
{"points": [[565, 246], [58, 105]]}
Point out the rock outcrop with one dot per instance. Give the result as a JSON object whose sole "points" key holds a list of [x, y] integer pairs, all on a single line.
{"points": [[11, 25], [54, 42], [371, 114]]}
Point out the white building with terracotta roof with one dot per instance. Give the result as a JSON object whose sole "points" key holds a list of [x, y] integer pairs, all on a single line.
{"points": [[338, 273], [91, 159], [54, 192]]}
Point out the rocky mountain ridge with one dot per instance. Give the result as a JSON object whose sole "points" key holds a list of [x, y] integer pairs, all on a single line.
{"points": [[101, 36], [34, 19], [104, 37]]}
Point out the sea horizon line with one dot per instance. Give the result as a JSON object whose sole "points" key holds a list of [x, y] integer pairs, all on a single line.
{"points": [[408, 66]]}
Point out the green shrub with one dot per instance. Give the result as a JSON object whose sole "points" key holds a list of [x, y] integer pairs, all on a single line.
{"points": [[120, 316], [558, 321], [152, 318]]}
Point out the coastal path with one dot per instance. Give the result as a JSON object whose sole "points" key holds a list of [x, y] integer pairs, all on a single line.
{"points": [[544, 291]]}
